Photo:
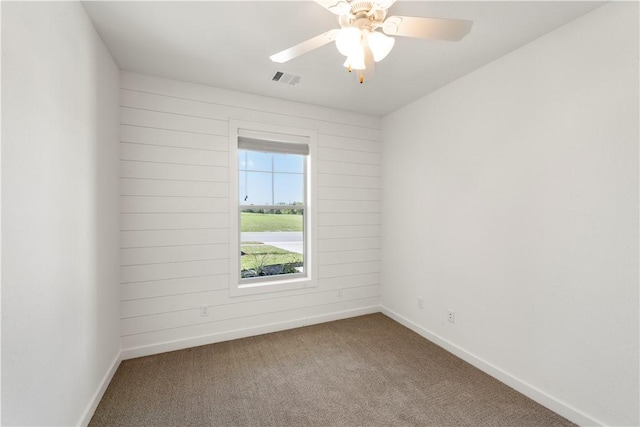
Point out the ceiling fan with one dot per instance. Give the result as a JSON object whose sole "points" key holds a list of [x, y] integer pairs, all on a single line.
{"points": [[359, 39]]}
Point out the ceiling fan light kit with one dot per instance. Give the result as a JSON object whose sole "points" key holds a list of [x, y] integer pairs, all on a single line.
{"points": [[359, 40], [380, 45], [348, 40]]}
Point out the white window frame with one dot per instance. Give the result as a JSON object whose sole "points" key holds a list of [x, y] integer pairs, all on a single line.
{"points": [[237, 286]]}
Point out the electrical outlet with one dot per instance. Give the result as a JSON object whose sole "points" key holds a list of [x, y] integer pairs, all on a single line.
{"points": [[204, 310], [420, 303], [451, 316], [339, 293]]}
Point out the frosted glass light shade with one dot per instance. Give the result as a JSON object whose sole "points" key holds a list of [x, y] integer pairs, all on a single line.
{"points": [[356, 60], [348, 40], [380, 45]]}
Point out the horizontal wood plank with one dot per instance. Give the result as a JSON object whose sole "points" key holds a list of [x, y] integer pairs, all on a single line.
{"points": [[159, 288], [157, 120], [341, 282], [350, 244], [349, 206], [348, 218], [170, 104], [165, 304], [183, 156], [349, 181], [346, 143], [173, 138], [348, 257], [348, 156], [173, 221], [163, 204], [350, 131], [348, 231], [349, 269], [155, 187], [156, 238], [350, 169], [175, 270], [157, 255], [337, 193], [151, 170]]}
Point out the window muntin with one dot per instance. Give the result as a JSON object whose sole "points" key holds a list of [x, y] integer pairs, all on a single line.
{"points": [[270, 178]]}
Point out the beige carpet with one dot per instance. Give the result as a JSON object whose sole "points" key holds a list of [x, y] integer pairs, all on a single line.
{"points": [[364, 371]]}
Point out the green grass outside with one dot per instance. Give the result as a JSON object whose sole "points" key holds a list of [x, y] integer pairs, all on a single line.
{"points": [[256, 222], [264, 255]]}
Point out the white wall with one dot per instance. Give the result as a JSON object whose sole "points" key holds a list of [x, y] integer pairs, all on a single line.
{"points": [[60, 334], [175, 216], [511, 196]]}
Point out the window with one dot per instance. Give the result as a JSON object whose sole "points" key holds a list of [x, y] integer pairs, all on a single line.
{"points": [[271, 215]]}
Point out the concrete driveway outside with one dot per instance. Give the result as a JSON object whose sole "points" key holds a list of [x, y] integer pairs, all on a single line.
{"points": [[287, 240]]}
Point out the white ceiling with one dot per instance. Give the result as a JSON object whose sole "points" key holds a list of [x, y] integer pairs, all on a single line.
{"points": [[227, 44]]}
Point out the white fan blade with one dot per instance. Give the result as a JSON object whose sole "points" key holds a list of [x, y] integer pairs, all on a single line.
{"points": [[338, 7], [427, 28], [304, 47], [383, 4]]}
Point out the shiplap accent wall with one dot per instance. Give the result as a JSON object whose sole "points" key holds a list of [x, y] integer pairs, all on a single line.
{"points": [[174, 186]]}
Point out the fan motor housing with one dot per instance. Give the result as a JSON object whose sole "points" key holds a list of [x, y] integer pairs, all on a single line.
{"points": [[363, 19], [360, 6]]}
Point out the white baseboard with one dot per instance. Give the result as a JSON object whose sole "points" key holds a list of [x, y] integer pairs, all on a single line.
{"points": [[528, 390], [131, 353], [102, 387]]}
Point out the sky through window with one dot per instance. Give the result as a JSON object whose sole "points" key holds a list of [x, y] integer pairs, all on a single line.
{"points": [[270, 178]]}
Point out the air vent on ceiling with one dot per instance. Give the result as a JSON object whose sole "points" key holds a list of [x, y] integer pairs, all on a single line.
{"points": [[286, 78]]}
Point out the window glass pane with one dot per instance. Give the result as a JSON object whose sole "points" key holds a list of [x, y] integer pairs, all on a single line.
{"points": [[288, 188], [242, 160], [255, 161], [242, 187], [288, 163], [255, 188], [272, 242]]}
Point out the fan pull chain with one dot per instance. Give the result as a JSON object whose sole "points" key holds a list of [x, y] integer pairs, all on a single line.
{"points": [[361, 77]]}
